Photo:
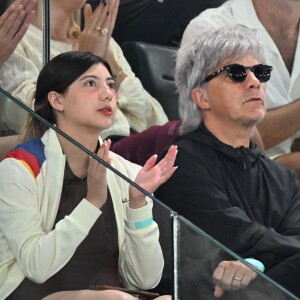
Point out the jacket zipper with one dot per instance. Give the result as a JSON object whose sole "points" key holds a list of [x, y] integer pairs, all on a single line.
{"points": [[244, 153]]}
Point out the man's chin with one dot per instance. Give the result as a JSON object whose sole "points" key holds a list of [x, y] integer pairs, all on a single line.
{"points": [[253, 121]]}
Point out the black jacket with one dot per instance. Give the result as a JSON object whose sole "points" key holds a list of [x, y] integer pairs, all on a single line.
{"points": [[243, 199]]}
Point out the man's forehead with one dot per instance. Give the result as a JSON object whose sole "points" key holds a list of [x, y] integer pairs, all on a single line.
{"points": [[233, 59]]}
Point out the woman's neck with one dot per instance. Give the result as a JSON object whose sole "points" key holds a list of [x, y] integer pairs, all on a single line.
{"points": [[60, 22], [77, 158]]}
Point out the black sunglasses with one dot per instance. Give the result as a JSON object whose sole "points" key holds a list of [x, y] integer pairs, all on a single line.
{"points": [[238, 73]]}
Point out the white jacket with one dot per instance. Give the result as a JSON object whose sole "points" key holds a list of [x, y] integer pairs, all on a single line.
{"points": [[31, 178]]}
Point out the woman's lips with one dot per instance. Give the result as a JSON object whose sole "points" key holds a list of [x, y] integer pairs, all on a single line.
{"points": [[107, 110]]}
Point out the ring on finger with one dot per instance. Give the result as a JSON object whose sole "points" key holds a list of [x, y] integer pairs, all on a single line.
{"points": [[98, 28], [104, 31], [237, 278]]}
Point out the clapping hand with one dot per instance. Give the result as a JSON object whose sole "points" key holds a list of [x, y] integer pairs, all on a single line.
{"points": [[151, 176], [96, 177]]}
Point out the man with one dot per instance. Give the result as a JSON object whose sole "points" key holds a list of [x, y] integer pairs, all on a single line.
{"points": [[223, 184], [277, 22]]}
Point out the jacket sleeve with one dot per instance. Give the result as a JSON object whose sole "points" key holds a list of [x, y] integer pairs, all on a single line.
{"points": [[141, 261], [139, 107], [195, 192], [18, 76], [39, 254]]}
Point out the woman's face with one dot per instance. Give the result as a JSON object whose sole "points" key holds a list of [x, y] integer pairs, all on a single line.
{"points": [[90, 102]]}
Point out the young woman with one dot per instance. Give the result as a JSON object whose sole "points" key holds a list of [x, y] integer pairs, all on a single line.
{"points": [[66, 222]]}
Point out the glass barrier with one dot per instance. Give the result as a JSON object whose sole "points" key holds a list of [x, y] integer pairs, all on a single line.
{"points": [[190, 254], [199, 255]]}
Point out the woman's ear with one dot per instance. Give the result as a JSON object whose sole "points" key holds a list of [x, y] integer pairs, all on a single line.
{"points": [[55, 100], [199, 96]]}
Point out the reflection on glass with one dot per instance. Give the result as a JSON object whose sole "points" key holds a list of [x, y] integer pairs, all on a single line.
{"points": [[200, 255]]}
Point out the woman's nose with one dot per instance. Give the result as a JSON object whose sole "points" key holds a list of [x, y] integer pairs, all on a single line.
{"points": [[107, 94]]}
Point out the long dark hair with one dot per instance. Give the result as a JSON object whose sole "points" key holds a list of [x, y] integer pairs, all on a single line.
{"points": [[57, 75]]}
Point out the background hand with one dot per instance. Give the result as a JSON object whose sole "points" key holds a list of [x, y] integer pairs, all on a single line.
{"points": [[14, 23], [151, 176], [98, 27]]}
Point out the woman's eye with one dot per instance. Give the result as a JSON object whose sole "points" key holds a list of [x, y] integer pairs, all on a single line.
{"points": [[112, 85], [90, 83]]}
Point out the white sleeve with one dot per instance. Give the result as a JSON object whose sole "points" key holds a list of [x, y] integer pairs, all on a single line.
{"points": [[141, 260], [18, 76]]}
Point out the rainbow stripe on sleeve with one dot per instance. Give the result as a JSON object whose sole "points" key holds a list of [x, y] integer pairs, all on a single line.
{"points": [[30, 154]]}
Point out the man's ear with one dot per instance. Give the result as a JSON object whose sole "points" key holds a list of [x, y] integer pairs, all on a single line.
{"points": [[55, 100], [199, 96]]}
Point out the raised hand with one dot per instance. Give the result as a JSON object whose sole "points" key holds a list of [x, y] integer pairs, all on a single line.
{"points": [[98, 27], [96, 177], [13, 25], [151, 176]]}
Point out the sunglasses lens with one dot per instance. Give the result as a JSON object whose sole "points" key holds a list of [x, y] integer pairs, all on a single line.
{"points": [[262, 72], [237, 73]]}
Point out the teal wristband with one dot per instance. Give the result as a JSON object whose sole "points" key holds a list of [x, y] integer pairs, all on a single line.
{"points": [[140, 224], [256, 263]]}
